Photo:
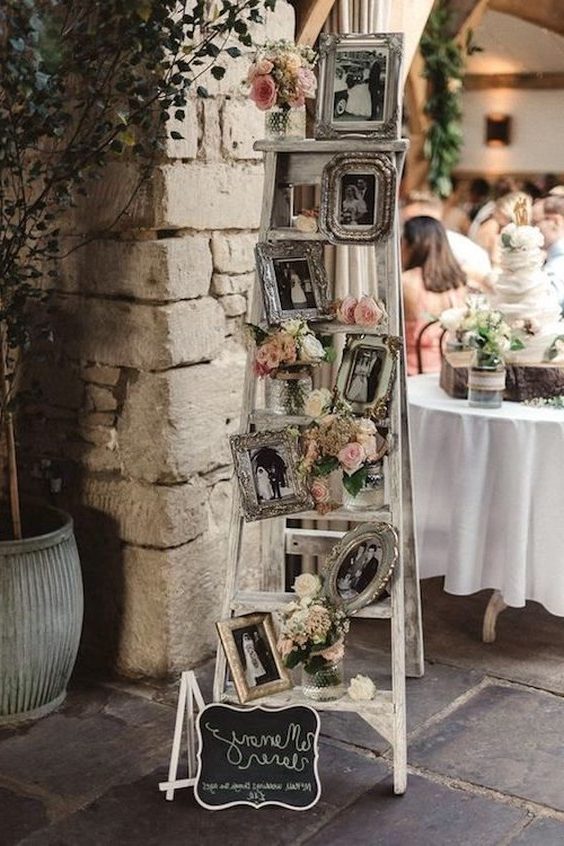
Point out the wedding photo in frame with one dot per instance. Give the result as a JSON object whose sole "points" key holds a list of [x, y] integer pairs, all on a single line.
{"points": [[249, 643], [366, 374], [360, 566], [358, 192], [359, 85], [293, 280], [266, 469]]}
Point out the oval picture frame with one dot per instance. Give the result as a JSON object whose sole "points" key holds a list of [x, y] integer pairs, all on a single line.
{"points": [[352, 583]]}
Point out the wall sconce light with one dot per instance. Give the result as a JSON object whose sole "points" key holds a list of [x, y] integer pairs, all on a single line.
{"points": [[498, 130]]}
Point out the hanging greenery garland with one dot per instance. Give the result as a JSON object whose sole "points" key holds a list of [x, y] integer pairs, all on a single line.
{"points": [[444, 62]]}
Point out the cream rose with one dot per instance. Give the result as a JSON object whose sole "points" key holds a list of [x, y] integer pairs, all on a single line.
{"points": [[307, 585], [367, 312], [451, 318], [317, 402], [345, 310], [263, 66], [351, 457], [333, 653], [292, 62], [305, 223], [368, 443], [311, 349], [292, 327], [361, 688]]}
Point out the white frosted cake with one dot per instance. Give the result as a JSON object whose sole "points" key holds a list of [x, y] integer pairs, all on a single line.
{"points": [[523, 294]]}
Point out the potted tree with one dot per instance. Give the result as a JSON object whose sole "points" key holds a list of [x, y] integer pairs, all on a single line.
{"points": [[82, 83]]}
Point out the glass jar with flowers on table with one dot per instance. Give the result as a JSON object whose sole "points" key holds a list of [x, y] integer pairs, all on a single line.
{"points": [[281, 78], [285, 356]]}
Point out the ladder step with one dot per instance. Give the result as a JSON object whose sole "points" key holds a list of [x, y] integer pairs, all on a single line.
{"points": [[368, 515], [245, 601], [311, 541], [330, 327]]}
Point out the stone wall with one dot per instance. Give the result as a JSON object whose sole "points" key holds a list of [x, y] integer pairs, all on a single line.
{"points": [[145, 380]]}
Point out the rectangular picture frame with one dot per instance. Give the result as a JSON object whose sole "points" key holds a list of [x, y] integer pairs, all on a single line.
{"points": [[368, 392], [359, 85], [358, 196], [277, 263], [249, 643], [266, 466]]}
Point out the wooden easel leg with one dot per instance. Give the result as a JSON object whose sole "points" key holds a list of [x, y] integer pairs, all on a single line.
{"points": [[398, 683], [495, 606], [188, 693]]}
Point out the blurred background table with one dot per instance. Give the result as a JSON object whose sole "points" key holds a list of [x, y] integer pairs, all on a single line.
{"points": [[489, 498]]}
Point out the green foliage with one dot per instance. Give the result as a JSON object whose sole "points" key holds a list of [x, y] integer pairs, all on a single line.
{"points": [[444, 69], [83, 83], [353, 483]]}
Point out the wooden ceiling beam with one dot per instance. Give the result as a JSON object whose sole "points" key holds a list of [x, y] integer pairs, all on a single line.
{"points": [[545, 13], [310, 18], [536, 81], [464, 16]]}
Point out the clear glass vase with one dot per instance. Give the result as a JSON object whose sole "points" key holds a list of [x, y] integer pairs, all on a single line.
{"points": [[486, 385], [371, 495], [285, 123], [286, 391], [323, 680]]}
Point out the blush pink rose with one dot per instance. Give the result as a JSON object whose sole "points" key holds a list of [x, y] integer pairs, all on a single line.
{"points": [[346, 309], [263, 92], [298, 100], [307, 82], [352, 457], [268, 356], [367, 312], [285, 646], [319, 491], [259, 68], [333, 653]]}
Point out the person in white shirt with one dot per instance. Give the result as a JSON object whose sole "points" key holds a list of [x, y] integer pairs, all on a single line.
{"points": [[548, 215]]}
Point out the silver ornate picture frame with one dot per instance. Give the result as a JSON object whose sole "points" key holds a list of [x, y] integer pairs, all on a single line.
{"points": [[359, 567], [366, 374], [359, 85], [266, 465], [293, 280], [249, 643], [358, 193]]}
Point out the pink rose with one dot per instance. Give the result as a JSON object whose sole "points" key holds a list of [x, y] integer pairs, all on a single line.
{"points": [[298, 100], [368, 443], [319, 491], [285, 646], [307, 82], [263, 92], [333, 653], [268, 356], [352, 457], [346, 309], [263, 66], [367, 312]]}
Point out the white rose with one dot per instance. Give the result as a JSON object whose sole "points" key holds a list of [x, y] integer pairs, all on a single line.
{"points": [[307, 585], [293, 326], [361, 687], [366, 426], [305, 223], [318, 402], [451, 318], [311, 349]]}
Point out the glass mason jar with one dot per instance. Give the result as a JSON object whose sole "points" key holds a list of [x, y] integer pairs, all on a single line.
{"points": [[486, 384], [286, 391], [323, 680], [283, 123], [371, 495]]}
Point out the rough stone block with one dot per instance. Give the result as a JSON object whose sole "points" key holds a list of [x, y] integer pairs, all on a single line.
{"points": [[100, 399], [234, 305], [145, 337], [210, 142], [187, 146], [222, 196], [150, 515], [100, 375], [233, 252], [243, 124], [185, 415], [159, 271], [240, 283]]}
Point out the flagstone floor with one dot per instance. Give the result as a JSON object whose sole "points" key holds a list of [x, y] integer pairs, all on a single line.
{"points": [[486, 753]]}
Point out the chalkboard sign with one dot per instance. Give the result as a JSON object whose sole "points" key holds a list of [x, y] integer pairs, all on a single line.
{"points": [[257, 756]]}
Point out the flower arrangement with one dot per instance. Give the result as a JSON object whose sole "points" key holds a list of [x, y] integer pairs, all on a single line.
{"points": [[281, 74], [477, 326], [339, 441], [361, 688], [365, 311], [307, 221], [313, 629], [291, 343]]}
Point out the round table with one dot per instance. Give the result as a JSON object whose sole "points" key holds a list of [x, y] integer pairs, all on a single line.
{"points": [[489, 497]]}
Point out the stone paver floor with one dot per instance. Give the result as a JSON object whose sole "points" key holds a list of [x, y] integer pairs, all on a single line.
{"points": [[486, 754]]}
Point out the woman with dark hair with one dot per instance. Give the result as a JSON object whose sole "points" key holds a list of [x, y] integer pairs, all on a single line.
{"points": [[432, 281]]}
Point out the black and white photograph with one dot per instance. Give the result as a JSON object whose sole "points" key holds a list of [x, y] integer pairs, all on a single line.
{"points": [[255, 666], [360, 565], [295, 285], [270, 473], [366, 374], [266, 466], [293, 280], [359, 85], [358, 199]]}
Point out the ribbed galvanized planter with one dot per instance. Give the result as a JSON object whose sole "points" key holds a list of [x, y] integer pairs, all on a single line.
{"points": [[41, 608]]}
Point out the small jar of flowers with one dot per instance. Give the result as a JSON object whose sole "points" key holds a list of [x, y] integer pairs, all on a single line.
{"points": [[313, 634], [281, 78], [286, 355]]}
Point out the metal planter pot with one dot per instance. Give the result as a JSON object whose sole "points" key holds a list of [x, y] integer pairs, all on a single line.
{"points": [[41, 609]]}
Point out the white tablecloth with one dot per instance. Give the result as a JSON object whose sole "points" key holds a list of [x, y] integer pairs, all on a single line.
{"points": [[489, 495]]}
